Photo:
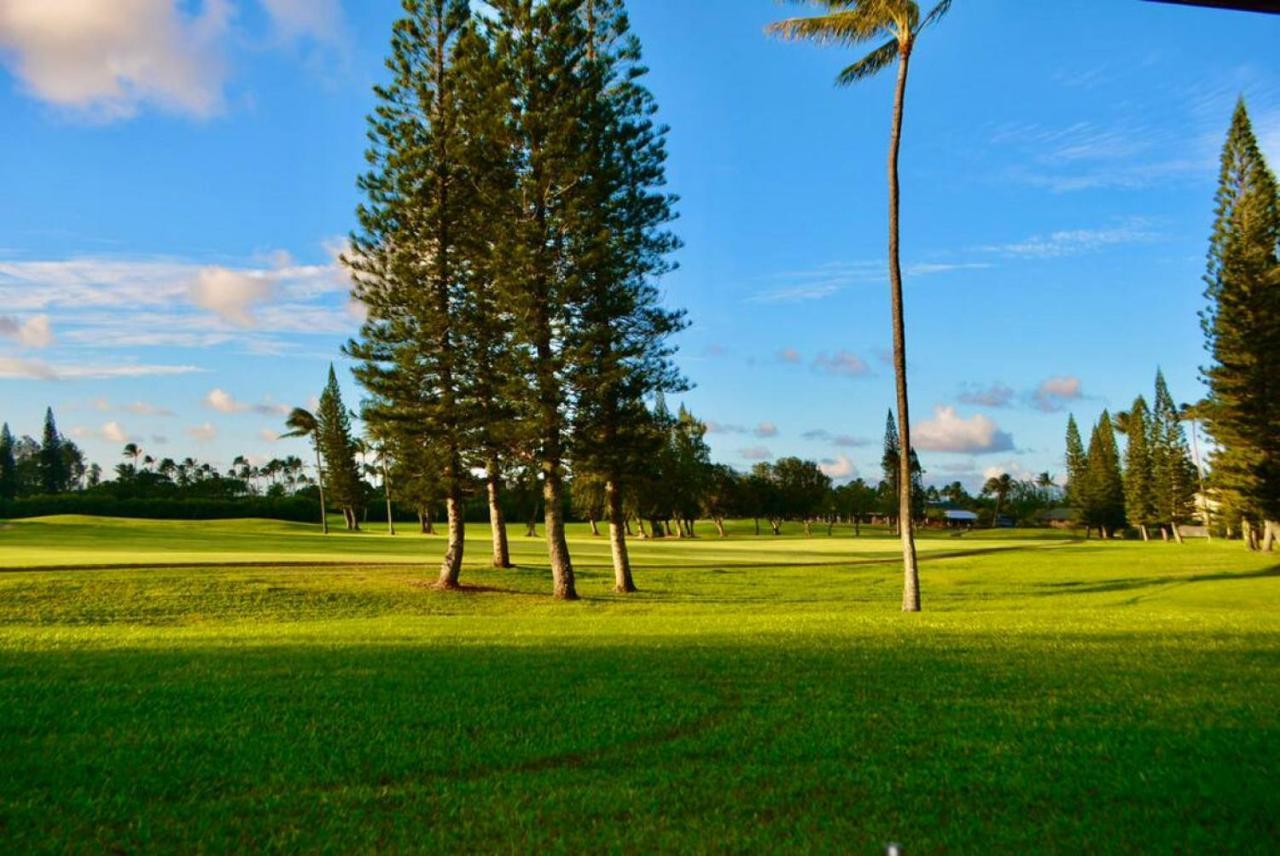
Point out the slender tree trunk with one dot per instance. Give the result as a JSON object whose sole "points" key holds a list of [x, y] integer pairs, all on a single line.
{"points": [[1250, 535], [1177, 534], [757, 526], [591, 519], [719, 521], [386, 485], [627, 524], [807, 530], [1269, 535], [451, 565], [557, 545], [623, 582], [1142, 528], [497, 520], [324, 517], [640, 525], [857, 526], [911, 570]]}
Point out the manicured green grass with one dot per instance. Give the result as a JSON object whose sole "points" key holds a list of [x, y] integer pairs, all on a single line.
{"points": [[758, 694]]}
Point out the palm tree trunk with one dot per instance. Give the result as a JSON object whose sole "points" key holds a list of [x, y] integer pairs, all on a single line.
{"points": [[623, 583], [497, 520], [324, 517], [910, 566]]}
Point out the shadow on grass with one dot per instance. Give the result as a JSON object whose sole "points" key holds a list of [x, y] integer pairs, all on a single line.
{"points": [[655, 745], [1134, 583]]}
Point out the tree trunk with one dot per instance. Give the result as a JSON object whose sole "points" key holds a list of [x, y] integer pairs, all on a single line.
{"points": [[1177, 534], [1269, 535], [451, 565], [386, 486], [807, 530], [757, 526], [497, 520], [1250, 535], [719, 521], [1142, 528], [557, 545], [627, 526], [640, 525], [622, 580], [910, 566], [857, 526], [1164, 534], [531, 527], [595, 530], [776, 526], [324, 517]]}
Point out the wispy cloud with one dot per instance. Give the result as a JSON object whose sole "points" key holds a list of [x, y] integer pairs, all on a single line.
{"points": [[765, 429], [1053, 394], [224, 402], [847, 441], [828, 279], [26, 369], [996, 395], [1075, 242], [842, 364], [839, 468], [755, 453], [33, 332]]}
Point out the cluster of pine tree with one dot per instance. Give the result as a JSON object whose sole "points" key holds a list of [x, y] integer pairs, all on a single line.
{"points": [[1242, 334], [1156, 484], [48, 466], [513, 230]]}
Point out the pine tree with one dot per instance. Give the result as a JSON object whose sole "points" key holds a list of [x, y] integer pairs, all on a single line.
{"points": [[1242, 330], [53, 465], [421, 247], [1139, 499], [1173, 473], [618, 351], [339, 450], [1077, 463], [1104, 484], [889, 466], [550, 87], [8, 465]]}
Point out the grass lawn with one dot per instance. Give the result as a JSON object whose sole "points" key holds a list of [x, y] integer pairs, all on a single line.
{"points": [[250, 685]]}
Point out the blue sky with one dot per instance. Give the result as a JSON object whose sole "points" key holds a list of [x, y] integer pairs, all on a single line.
{"points": [[177, 177]]}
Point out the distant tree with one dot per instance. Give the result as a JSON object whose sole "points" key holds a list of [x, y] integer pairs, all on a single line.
{"points": [[770, 502], [1104, 484], [1139, 498], [1077, 463], [1242, 332], [587, 493], [337, 444], [8, 465], [53, 465], [803, 487], [1173, 479], [859, 499], [722, 495], [899, 23], [302, 423], [1000, 487]]}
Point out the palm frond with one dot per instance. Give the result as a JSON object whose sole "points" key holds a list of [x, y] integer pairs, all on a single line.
{"points": [[870, 64], [848, 22], [935, 15]]}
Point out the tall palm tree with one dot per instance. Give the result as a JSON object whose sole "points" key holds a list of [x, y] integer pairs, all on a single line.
{"points": [[899, 24], [999, 487], [303, 423], [134, 451]]}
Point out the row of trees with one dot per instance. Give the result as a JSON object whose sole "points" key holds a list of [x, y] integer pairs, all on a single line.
{"points": [[1151, 485]]}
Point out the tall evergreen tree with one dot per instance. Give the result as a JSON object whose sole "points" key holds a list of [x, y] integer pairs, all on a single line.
{"points": [[420, 246], [1139, 498], [1174, 476], [1104, 484], [1077, 463], [53, 464], [618, 351], [8, 465], [1242, 329], [338, 447], [550, 89]]}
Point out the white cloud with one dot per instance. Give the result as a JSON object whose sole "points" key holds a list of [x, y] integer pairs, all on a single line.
{"points": [[203, 433], [113, 432], [828, 279], [766, 429], [1053, 393], [755, 453], [268, 436], [224, 402], [842, 363], [142, 408], [23, 369], [947, 431], [838, 468], [231, 295], [714, 427], [107, 59], [34, 332]]}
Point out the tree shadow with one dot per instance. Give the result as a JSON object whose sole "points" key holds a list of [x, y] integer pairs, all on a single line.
{"points": [[1135, 583]]}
